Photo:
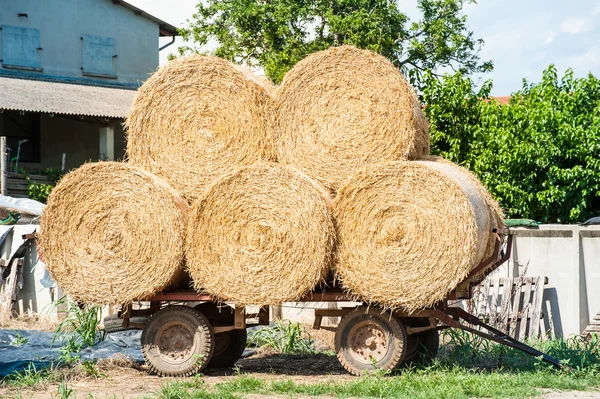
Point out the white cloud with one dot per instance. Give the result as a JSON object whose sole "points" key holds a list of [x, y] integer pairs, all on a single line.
{"points": [[550, 38], [596, 10], [572, 25]]}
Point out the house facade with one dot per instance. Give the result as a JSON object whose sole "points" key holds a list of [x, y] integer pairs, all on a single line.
{"points": [[69, 70]]}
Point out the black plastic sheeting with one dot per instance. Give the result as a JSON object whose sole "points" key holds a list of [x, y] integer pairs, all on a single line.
{"points": [[41, 352]]}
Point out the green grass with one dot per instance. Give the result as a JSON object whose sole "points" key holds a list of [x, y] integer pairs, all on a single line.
{"points": [[466, 367], [31, 377], [438, 383], [285, 338]]}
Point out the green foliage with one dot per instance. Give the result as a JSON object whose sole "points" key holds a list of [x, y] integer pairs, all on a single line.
{"points": [[69, 351], [31, 377], [53, 174], [275, 35], [39, 191], [19, 340], [285, 338], [82, 320], [64, 392], [539, 155]]}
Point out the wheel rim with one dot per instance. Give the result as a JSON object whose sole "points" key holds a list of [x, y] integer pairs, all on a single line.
{"points": [[174, 342], [368, 342]]}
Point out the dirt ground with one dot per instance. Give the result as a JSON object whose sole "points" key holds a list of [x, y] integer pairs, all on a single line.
{"points": [[122, 380], [128, 381]]}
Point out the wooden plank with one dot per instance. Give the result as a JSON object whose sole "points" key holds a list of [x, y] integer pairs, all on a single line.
{"points": [[525, 311], [13, 186], [538, 295], [483, 298], [493, 308], [505, 309], [516, 304]]}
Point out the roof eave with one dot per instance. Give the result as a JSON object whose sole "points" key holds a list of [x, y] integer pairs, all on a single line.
{"points": [[165, 29]]}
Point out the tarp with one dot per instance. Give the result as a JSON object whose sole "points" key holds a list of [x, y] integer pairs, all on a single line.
{"points": [[40, 351], [22, 205]]}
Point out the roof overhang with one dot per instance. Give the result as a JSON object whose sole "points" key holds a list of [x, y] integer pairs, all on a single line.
{"points": [[63, 98], [165, 29]]}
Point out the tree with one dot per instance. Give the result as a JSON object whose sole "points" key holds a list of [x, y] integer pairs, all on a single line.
{"points": [[276, 34], [539, 155]]}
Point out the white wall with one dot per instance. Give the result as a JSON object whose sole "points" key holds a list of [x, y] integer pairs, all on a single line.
{"points": [[569, 256], [63, 22]]}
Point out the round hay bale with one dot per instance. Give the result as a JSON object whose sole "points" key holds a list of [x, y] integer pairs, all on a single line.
{"points": [[343, 108], [496, 213], [198, 118], [262, 235], [409, 232], [112, 233]]}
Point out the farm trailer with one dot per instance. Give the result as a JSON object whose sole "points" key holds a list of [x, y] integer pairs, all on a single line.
{"points": [[184, 331]]}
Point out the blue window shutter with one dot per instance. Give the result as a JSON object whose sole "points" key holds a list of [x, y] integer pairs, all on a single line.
{"points": [[99, 55], [20, 47]]}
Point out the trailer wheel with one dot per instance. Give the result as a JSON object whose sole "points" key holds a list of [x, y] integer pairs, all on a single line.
{"points": [[430, 344], [368, 340], [178, 341], [229, 345], [423, 346]]}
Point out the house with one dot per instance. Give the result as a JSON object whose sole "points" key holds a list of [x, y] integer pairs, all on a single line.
{"points": [[69, 70]]}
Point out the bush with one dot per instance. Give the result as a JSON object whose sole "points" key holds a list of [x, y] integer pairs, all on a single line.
{"points": [[539, 155]]}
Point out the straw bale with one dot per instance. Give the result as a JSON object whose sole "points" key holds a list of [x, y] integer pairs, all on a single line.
{"points": [[342, 108], [409, 232], [198, 118], [262, 235], [496, 213], [113, 233]]}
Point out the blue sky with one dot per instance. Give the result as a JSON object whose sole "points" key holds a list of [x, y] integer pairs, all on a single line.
{"points": [[522, 37]]}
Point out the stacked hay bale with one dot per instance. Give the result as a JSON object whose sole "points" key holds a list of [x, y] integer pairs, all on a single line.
{"points": [[411, 227], [410, 232], [259, 233], [198, 118], [330, 171], [262, 235], [113, 233], [344, 108]]}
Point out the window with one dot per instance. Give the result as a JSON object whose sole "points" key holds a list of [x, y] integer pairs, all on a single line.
{"points": [[99, 56], [20, 48]]}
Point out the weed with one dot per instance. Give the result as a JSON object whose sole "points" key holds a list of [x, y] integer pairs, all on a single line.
{"points": [[19, 340], [90, 369], [471, 351], [83, 321], [285, 338], [64, 392], [31, 377], [69, 351]]}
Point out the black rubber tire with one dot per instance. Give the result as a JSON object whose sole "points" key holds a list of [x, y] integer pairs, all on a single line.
{"points": [[430, 344], [413, 348], [229, 345], [188, 324], [113, 323], [353, 327]]}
